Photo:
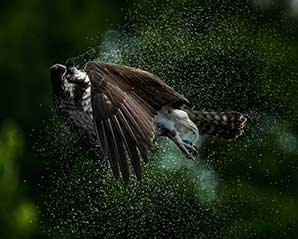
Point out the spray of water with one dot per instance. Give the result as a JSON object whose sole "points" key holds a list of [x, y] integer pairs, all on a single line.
{"points": [[211, 54]]}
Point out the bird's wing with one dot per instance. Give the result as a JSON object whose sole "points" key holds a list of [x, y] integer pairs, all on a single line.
{"points": [[81, 123], [124, 124], [142, 84]]}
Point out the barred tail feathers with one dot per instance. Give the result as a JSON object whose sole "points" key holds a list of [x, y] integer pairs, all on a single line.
{"points": [[227, 125]]}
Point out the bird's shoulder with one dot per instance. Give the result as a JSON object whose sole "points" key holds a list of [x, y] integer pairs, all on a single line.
{"points": [[128, 79]]}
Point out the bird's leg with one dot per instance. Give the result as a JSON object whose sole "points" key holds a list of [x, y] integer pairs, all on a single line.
{"points": [[188, 150], [174, 136]]}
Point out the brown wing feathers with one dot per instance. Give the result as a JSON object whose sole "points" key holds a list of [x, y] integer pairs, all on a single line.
{"points": [[124, 125], [144, 85], [104, 134], [129, 140]]}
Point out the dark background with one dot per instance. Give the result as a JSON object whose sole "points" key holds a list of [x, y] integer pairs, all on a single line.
{"points": [[222, 55]]}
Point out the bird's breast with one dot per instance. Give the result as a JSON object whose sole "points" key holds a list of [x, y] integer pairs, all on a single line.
{"points": [[86, 101]]}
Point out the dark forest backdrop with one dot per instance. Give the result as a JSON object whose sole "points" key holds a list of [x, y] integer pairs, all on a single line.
{"points": [[222, 55]]}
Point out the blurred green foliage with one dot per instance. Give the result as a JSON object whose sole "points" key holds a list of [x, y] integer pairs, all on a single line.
{"points": [[18, 213], [222, 55]]}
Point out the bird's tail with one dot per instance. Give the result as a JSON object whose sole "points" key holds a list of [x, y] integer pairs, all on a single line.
{"points": [[227, 125]]}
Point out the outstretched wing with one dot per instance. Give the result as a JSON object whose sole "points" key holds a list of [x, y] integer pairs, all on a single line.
{"points": [[124, 124], [140, 84]]}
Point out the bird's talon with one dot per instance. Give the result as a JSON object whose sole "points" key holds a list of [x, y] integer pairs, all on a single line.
{"points": [[191, 157], [191, 147]]}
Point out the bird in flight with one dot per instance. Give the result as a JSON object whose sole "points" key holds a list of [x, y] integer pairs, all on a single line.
{"points": [[118, 111]]}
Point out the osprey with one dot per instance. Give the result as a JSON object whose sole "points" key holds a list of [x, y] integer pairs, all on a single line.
{"points": [[118, 111]]}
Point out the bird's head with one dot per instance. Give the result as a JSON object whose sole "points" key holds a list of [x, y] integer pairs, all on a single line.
{"points": [[56, 74], [70, 70], [61, 73], [72, 74]]}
